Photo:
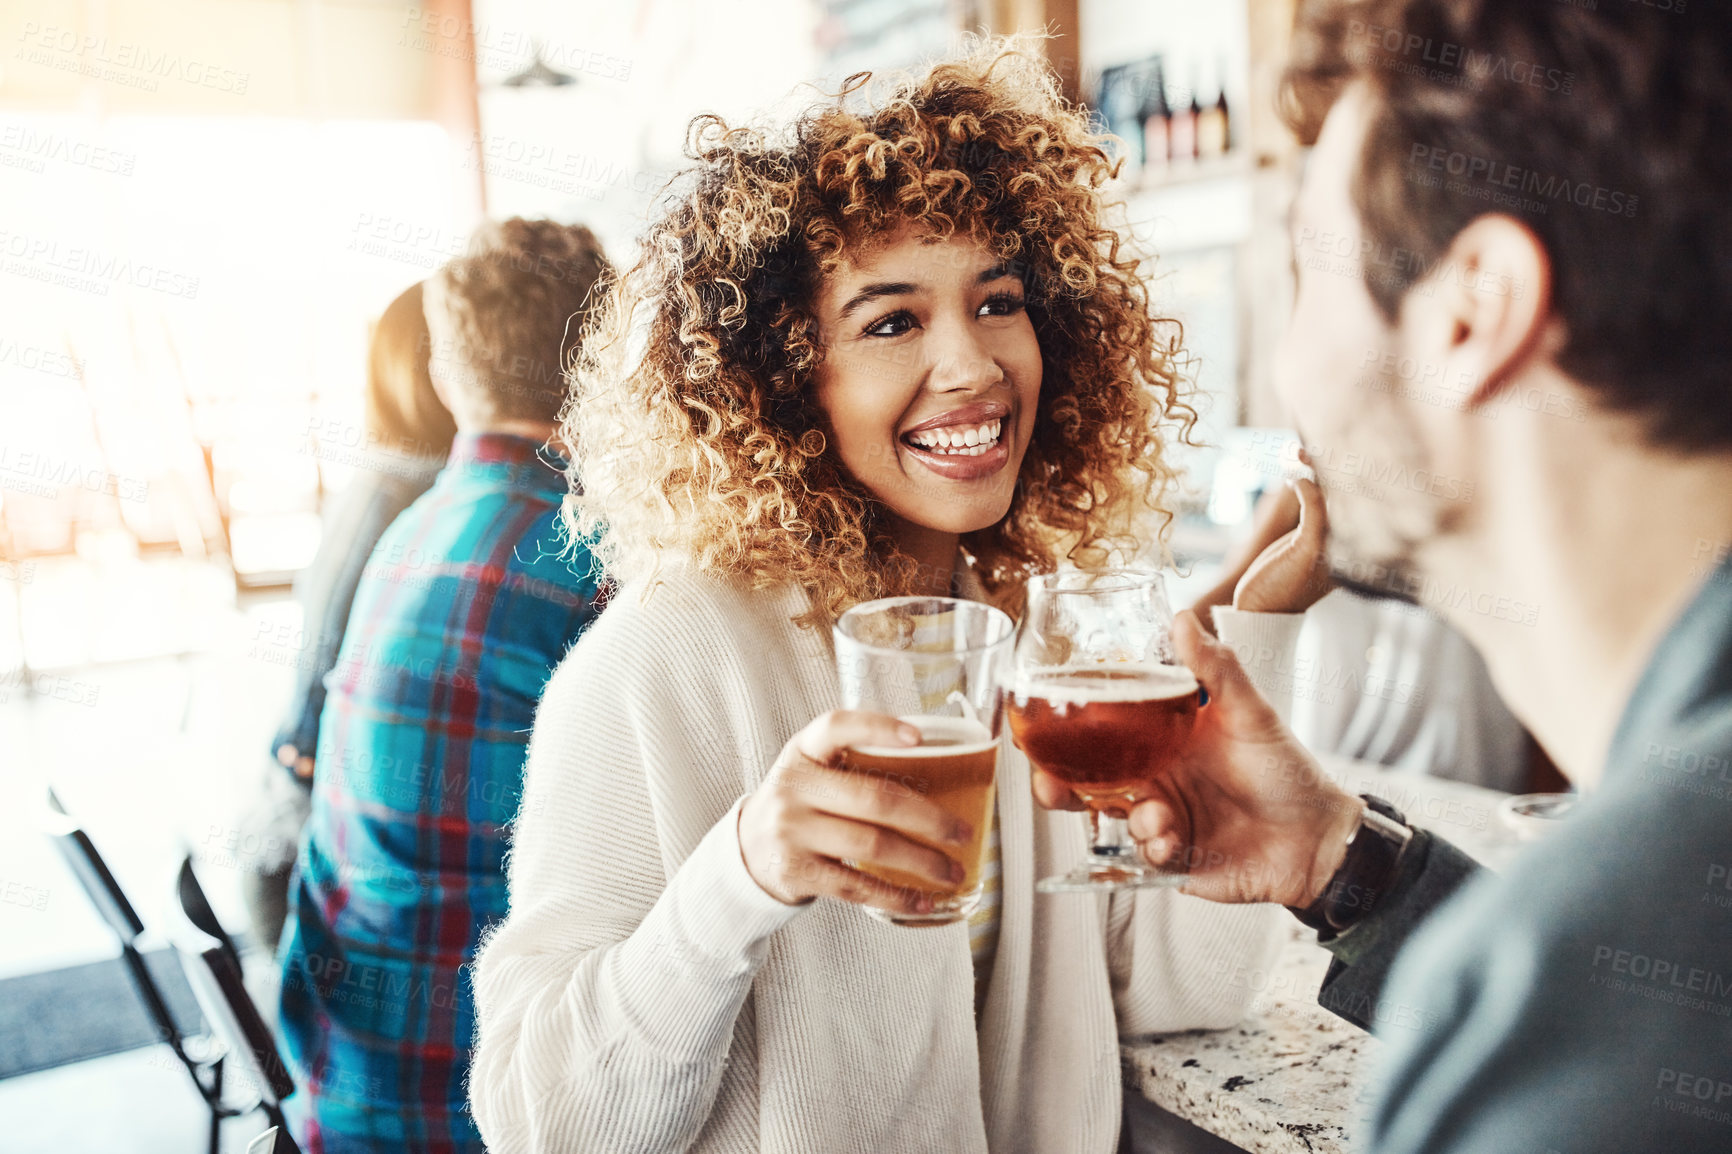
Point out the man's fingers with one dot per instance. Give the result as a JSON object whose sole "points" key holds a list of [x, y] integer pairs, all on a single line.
{"points": [[1158, 831], [826, 738], [1052, 793], [1216, 668], [1153, 818]]}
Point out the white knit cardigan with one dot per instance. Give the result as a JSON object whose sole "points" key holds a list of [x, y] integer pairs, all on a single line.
{"points": [[645, 995]]}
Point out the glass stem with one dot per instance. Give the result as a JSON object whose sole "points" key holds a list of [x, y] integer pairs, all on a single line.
{"points": [[1109, 836]]}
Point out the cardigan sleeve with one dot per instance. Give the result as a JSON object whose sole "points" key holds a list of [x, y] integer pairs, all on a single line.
{"points": [[606, 1000], [1171, 957], [1177, 962], [1265, 644]]}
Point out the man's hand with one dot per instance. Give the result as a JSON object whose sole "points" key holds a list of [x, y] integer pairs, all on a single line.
{"points": [[1291, 574], [1248, 813]]}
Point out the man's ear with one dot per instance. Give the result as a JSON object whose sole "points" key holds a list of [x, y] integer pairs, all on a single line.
{"points": [[1484, 310]]}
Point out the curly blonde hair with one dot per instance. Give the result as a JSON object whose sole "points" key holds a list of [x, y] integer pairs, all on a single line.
{"points": [[694, 433]]}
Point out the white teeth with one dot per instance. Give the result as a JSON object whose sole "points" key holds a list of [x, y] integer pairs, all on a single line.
{"points": [[960, 442]]}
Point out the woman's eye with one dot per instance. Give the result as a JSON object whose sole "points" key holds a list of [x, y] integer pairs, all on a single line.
{"points": [[1001, 305], [893, 325]]}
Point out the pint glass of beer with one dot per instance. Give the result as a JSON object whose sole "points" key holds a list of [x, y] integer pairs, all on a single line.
{"points": [[938, 664], [1098, 700]]}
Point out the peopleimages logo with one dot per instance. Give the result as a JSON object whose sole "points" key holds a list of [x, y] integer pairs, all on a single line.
{"points": [[34, 149], [1661, 980], [87, 268], [130, 64], [1456, 64], [1509, 180]]}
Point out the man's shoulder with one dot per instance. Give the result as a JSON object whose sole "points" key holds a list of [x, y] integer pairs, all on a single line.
{"points": [[1566, 989], [496, 530], [1679, 770], [1570, 996], [1629, 861]]}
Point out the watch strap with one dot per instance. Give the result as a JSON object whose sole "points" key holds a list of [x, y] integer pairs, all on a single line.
{"points": [[1372, 864]]}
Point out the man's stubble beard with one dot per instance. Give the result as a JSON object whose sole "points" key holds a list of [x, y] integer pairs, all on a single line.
{"points": [[1374, 542]]}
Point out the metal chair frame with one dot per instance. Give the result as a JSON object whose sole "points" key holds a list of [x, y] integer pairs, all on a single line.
{"points": [[117, 911], [276, 1140], [213, 969]]}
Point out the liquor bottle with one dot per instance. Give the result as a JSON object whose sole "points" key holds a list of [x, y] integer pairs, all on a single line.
{"points": [[1227, 118], [1157, 126], [1212, 125], [1182, 137]]}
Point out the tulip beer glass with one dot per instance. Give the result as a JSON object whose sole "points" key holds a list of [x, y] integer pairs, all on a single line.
{"points": [[1098, 700]]}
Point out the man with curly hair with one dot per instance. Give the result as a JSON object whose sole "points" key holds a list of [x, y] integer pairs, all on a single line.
{"points": [[464, 609]]}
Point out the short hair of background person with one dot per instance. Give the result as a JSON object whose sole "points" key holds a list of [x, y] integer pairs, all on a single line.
{"points": [[697, 435], [403, 412], [507, 317], [1599, 128]]}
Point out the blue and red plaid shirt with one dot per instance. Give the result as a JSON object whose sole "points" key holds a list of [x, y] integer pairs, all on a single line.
{"points": [[464, 609]]}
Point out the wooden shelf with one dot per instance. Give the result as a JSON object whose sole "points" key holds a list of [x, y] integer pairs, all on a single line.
{"points": [[1233, 164]]}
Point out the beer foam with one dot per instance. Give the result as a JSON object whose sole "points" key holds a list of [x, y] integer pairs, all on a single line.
{"points": [[1061, 686], [963, 735]]}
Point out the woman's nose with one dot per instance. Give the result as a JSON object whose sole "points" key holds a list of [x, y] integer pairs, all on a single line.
{"points": [[961, 361]]}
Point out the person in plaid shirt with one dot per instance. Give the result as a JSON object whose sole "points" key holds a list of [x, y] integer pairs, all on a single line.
{"points": [[467, 603]]}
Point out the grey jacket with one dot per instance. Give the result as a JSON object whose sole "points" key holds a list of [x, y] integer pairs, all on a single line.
{"points": [[1581, 1001]]}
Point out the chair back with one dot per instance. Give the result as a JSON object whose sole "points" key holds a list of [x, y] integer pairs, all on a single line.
{"points": [[91, 871], [113, 907], [276, 1140], [190, 897], [213, 971]]}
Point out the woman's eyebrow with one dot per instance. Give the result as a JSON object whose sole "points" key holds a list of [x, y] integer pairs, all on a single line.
{"points": [[898, 288], [873, 292]]}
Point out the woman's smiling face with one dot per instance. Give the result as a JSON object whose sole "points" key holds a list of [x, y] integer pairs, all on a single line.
{"points": [[930, 378]]}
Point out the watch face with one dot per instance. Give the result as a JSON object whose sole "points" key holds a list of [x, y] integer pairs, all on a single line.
{"points": [[1366, 873], [1370, 866]]}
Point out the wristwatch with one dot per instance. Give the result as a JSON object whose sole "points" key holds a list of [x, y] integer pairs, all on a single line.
{"points": [[1373, 861]]}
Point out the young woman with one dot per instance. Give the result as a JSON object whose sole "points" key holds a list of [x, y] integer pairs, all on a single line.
{"points": [[897, 350]]}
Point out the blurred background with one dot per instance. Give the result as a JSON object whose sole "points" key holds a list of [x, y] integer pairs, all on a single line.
{"points": [[207, 206]]}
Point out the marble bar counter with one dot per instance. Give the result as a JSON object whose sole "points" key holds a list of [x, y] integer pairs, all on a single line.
{"points": [[1293, 1078]]}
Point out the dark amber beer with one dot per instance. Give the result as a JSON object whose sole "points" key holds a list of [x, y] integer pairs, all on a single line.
{"points": [[954, 768], [1107, 731]]}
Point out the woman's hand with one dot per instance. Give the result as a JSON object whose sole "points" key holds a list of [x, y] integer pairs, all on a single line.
{"points": [[1247, 813], [1291, 574], [290, 758], [809, 814]]}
